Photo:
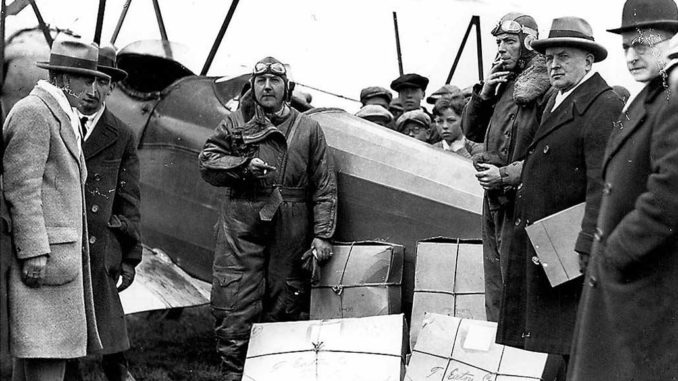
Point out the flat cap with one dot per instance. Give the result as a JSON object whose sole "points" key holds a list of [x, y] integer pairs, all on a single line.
{"points": [[417, 116], [375, 91], [410, 80], [447, 90], [373, 111]]}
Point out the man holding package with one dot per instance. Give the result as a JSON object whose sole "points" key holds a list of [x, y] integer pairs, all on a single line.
{"points": [[561, 169], [280, 208], [504, 113], [626, 325]]}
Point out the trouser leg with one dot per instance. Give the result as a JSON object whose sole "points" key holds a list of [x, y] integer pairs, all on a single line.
{"points": [[238, 281], [73, 370], [287, 285], [115, 367], [555, 368], [491, 234], [39, 369]]}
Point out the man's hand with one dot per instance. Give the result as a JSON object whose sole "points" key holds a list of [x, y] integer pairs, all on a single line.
{"points": [[323, 249], [33, 270], [495, 77], [490, 178], [127, 273], [258, 168]]}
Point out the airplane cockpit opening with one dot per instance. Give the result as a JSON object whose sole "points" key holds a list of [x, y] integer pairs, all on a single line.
{"points": [[152, 65]]}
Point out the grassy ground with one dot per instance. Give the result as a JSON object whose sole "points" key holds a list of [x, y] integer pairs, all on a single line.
{"points": [[168, 349]]}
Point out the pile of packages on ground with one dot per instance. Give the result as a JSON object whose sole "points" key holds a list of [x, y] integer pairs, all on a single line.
{"points": [[357, 332]]}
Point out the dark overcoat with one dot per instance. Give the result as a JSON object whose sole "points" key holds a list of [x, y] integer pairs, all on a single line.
{"points": [[112, 197], [562, 169], [627, 327]]}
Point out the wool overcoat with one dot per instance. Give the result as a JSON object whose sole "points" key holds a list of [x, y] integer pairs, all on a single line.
{"points": [[43, 183], [562, 169], [627, 325], [112, 198]]}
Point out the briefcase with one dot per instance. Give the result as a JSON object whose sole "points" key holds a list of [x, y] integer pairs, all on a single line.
{"points": [[451, 348], [448, 280], [553, 239], [362, 279], [358, 349]]}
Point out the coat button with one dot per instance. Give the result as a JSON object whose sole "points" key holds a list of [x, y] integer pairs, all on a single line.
{"points": [[593, 282], [92, 239], [535, 260], [546, 149], [518, 221], [97, 177], [598, 235], [520, 186], [95, 208], [607, 188]]}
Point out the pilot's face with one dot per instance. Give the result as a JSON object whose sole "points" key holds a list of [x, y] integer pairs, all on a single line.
{"points": [[646, 52], [269, 91], [567, 66], [93, 100], [508, 49]]}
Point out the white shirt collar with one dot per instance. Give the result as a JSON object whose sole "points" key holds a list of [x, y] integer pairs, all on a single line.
{"points": [[560, 97], [62, 101], [455, 146], [92, 120]]}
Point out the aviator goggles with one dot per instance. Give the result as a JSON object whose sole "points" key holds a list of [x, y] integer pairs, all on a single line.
{"points": [[512, 26], [273, 68]]}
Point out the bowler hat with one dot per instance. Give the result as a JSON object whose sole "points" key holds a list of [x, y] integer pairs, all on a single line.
{"points": [[375, 91], [73, 56], [410, 80], [108, 65], [571, 32], [658, 14]]}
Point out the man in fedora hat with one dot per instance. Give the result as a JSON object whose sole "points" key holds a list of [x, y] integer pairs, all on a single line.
{"points": [[561, 169], [112, 199], [504, 113], [626, 325], [50, 291]]}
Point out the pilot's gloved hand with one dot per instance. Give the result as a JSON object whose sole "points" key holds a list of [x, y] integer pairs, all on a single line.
{"points": [[33, 270], [127, 273]]}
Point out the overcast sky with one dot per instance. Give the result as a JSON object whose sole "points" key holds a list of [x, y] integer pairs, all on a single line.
{"points": [[337, 45]]}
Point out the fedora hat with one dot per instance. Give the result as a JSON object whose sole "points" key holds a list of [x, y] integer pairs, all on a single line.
{"points": [[107, 64], [658, 14], [571, 32], [73, 56]]}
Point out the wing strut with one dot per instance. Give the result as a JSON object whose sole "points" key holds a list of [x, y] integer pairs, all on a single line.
{"points": [[397, 39], [475, 20], [121, 19], [163, 31], [220, 36], [100, 22], [41, 23]]}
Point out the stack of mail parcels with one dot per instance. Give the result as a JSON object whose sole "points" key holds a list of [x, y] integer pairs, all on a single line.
{"points": [[448, 280], [451, 348], [363, 337], [362, 279]]}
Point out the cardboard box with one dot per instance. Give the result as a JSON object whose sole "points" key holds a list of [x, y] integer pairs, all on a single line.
{"points": [[553, 238], [448, 280], [451, 348], [369, 349], [362, 279]]}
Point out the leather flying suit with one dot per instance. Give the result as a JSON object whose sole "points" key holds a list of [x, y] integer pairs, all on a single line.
{"points": [[257, 267]]}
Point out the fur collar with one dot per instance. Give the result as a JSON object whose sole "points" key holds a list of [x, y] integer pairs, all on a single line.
{"points": [[532, 82]]}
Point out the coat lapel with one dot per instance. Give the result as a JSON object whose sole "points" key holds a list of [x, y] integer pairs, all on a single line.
{"points": [[103, 135], [630, 120], [580, 99], [65, 130]]}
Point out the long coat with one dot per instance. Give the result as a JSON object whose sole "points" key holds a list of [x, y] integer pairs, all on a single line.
{"points": [[562, 169], [627, 327], [43, 181], [112, 197]]}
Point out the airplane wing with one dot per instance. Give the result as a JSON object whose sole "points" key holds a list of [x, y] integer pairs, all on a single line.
{"points": [[161, 284]]}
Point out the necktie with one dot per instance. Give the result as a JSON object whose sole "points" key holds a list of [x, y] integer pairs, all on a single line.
{"points": [[83, 128]]}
